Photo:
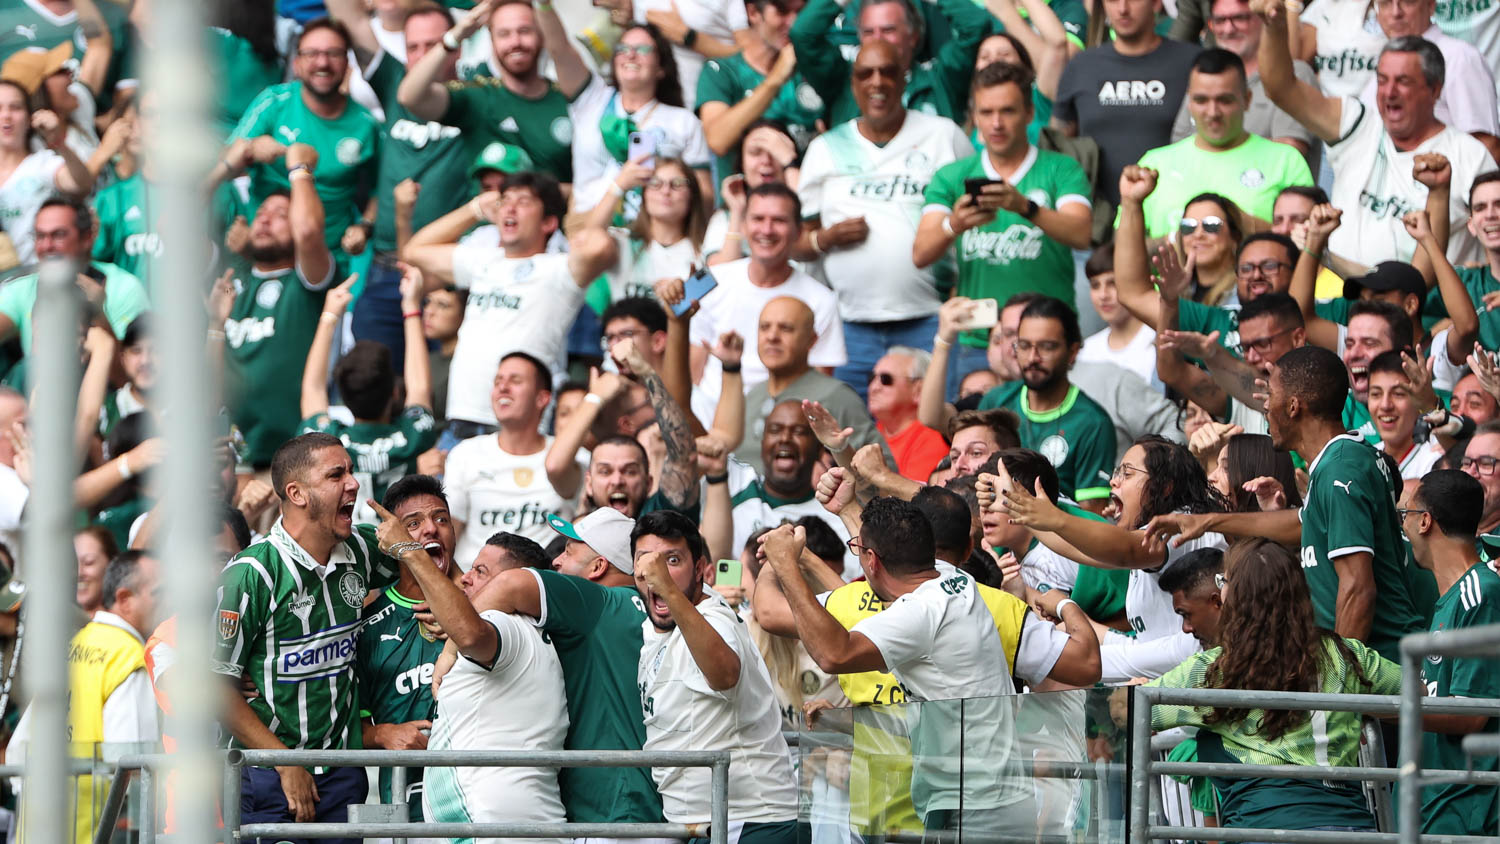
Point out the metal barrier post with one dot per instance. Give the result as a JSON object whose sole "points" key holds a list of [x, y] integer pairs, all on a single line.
{"points": [[718, 831], [1409, 798], [231, 799], [398, 794], [1140, 758]]}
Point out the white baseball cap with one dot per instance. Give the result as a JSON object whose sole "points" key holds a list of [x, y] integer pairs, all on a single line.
{"points": [[606, 531]]}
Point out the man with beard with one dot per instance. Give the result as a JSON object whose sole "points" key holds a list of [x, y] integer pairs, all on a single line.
{"points": [[1347, 528], [704, 686], [789, 450], [784, 338], [275, 312], [1194, 584], [515, 105], [618, 475], [289, 618], [1070, 429], [395, 655], [314, 110]]}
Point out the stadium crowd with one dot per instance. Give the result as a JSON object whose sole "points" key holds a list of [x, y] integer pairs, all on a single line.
{"points": [[668, 374]]}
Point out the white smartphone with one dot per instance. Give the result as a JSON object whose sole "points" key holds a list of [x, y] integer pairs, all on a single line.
{"points": [[642, 144], [986, 314]]}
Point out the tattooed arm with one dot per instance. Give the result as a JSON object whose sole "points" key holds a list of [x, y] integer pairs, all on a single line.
{"points": [[679, 474]]}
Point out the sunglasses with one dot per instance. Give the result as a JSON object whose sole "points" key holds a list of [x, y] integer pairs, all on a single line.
{"points": [[1211, 225], [885, 378]]}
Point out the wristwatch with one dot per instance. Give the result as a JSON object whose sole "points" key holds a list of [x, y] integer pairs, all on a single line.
{"points": [[690, 38], [449, 42], [1031, 209]]}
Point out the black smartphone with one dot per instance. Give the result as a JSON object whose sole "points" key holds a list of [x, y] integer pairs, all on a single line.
{"points": [[974, 187]]}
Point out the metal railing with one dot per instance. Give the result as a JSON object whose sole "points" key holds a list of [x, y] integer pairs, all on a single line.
{"points": [[716, 760], [1142, 767]]}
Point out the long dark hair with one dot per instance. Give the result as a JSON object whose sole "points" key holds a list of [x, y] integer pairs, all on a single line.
{"points": [[1175, 481], [254, 22], [1270, 639], [668, 87], [1252, 456], [30, 109], [697, 219]]}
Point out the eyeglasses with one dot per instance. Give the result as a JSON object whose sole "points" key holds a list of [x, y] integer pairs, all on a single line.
{"points": [[1481, 465], [1262, 345], [1408, 5], [1220, 581], [608, 341], [1211, 225], [1239, 21], [885, 378], [675, 183], [331, 55], [865, 73], [635, 49], [1403, 512], [1125, 472], [1046, 347], [1266, 267], [854, 547]]}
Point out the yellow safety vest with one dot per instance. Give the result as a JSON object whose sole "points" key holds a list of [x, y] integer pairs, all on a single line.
{"points": [[100, 658]]}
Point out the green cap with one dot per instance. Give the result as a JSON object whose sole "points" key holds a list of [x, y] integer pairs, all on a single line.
{"points": [[507, 158]]}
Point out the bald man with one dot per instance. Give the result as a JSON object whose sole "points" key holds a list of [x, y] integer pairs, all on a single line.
{"points": [[861, 187], [785, 335]]}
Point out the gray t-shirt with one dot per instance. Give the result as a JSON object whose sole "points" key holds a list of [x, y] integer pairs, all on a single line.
{"points": [[1125, 103], [1264, 118], [838, 397]]}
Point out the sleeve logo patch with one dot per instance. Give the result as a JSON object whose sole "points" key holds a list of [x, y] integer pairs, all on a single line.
{"points": [[229, 624]]}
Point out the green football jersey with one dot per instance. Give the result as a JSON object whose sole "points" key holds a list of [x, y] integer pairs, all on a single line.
{"points": [[1012, 254], [393, 663], [382, 453], [124, 299], [1351, 508], [797, 105], [240, 74], [346, 145], [1328, 738], [293, 627], [412, 148], [486, 111], [1473, 601], [1250, 174], [1357, 419], [1206, 319], [130, 236], [1077, 437], [269, 330], [597, 633], [26, 24], [1478, 281]]}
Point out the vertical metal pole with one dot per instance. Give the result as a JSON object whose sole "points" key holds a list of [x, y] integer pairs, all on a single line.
{"points": [[231, 798], [719, 832], [48, 561], [1140, 758], [180, 149], [1409, 817], [398, 795]]}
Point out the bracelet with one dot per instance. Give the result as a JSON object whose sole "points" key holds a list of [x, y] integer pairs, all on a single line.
{"points": [[329, 316], [124, 466], [948, 226], [730, 368], [817, 248], [717, 479], [1063, 603], [728, 236], [939, 341], [400, 548], [299, 168], [449, 42], [594, 399], [616, 191], [215, 334], [410, 314]]}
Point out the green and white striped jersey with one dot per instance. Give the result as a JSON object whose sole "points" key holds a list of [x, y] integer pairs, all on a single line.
{"points": [[293, 626]]}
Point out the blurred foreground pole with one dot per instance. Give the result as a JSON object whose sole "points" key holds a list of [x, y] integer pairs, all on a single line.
{"points": [[48, 562], [181, 149]]}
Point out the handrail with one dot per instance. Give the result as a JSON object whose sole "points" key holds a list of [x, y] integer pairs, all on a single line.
{"points": [[716, 831]]}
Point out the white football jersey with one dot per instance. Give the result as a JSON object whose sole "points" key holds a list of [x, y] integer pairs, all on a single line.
{"points": [[491, 490]]}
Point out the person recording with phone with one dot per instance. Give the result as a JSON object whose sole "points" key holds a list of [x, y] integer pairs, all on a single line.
{"points": [[1014, 230]]}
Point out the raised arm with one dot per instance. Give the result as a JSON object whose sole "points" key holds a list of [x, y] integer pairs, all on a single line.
{"points": [[1174, 370], [1433, 170], [823, 68], [1132, 274], [314, 260], [724, 124], [679, 473], [1111, 545], [415, 369], [835, 649], [1304, 102], [474, 637], [678, 361], [933, 409], [1321, 223], [99, 343], [431, 248], [74, 177], [315, 371], [562, 458], [351, 13], [99, 46], [422, 91], [714, 657], [590, 253], [572, 73], [1044, 38]]}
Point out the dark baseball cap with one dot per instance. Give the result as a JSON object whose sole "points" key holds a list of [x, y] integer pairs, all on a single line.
{"points": [[1388, 275]]}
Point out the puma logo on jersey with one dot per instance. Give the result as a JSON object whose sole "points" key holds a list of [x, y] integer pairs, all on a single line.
{"points": [[390, 637], [1345, 486], [133, 214], [289, 133], [26, 31], [509, 124]]}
